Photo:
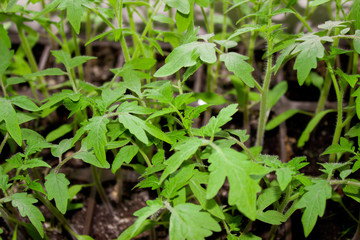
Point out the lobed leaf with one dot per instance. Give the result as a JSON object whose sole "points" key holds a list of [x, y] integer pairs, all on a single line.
{"points": [[56, 186], [314, 202], [187, 221]]}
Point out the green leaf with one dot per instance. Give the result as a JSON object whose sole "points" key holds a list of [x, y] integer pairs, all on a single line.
{"points": [[345, 146], [355, 16], [267, 197], [59, 132], [357, 39], [177, 181], [126, 154], [137, 126], [273, 123], [276, 93], [109, 96], [24, 102], [284, 177], [236, 63], [164, 94], [309, 50], [186, 56], [56, 186], [271, 217], [8, 114], [62, 147], [200, 193], [90, 159], [47, 72], [6, 54], [314, 202], [226, 162], [163, 19], [76, 61], [181, 6], [187, 221], [185, 150], [223, 117], [318, 2], [203, 3], [58, 97], [26, 208], [351, 79], [352, 191], [96, 137], [74, 12], [153, 206], [310, 127]]}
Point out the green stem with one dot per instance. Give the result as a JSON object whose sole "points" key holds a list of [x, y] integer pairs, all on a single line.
{"points": [[143, 154], [266, 84], [55, 212], [32, 63], [3, 86], [77, 53], [339, 96], [242, 145], [346, 182], [4, 141], [99, 187]]}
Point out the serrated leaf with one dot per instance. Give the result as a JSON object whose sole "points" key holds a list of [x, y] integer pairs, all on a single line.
{"points": [[126, 154], [236, 63], [187, 221], [56, 186], [47, 72], [8, 114], [152, 207], [25, 103], [164, 94], [90, 159], [351, 79], [309, 51], [177, 181], [185, 150], [138, 127], [109, 96], [26, 208], [314, 202], [208, 204], [343, 147], [223, 117], [96, 137], [74, 12], [186, 55], [226, 162]]}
